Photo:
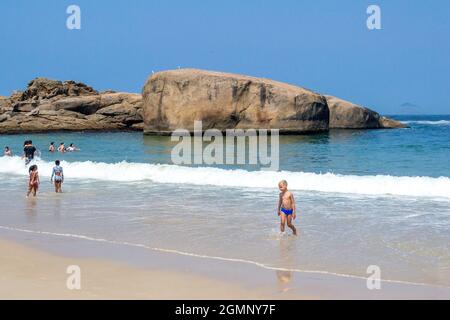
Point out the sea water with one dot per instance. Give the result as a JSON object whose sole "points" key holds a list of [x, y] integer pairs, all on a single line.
{"points": [[371, 197]]}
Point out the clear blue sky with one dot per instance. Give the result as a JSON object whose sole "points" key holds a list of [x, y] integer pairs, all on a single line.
{"points": [[321, 45]]}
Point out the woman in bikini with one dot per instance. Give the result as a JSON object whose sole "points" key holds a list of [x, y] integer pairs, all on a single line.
{"points": [[33, 182]]}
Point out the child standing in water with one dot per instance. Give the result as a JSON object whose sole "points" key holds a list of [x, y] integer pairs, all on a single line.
{"points": [[33, 183], [286, 207], [57, 176]]}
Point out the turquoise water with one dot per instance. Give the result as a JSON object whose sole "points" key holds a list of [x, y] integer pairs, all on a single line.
{"points": [[422, 150], [366, 197]]}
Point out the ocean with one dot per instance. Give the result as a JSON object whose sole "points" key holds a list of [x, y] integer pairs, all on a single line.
{"points": [[365, 197]]}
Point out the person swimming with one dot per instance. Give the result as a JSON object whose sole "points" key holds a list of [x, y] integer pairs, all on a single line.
{"points": [[72, 148], [8, 152], [51, 148], [61, 147]]}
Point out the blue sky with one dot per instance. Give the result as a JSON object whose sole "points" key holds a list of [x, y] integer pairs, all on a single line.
{"points": [[321, 45]]}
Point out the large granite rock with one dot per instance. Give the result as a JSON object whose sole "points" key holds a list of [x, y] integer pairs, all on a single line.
{"points": [[175, 99], [347, 115], [49, 105]]}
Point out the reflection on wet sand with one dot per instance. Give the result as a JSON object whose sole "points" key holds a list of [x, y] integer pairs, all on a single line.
{"points": [[284, 277], [57, 206], [30, 209]]}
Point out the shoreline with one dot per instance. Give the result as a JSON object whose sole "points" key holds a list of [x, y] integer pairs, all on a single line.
{"points": [[34, 274], [115, 271], [194, 256]]}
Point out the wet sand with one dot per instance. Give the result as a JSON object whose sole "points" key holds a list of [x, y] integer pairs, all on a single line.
{"points": [[33, 274], [35, 267]]}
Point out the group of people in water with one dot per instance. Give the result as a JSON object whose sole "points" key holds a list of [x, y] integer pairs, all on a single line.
{"points": [[62, 148], [29, 152], [286, 202]]}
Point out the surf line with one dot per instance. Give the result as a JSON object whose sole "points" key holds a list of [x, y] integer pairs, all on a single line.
{"points": [[195, 255]]}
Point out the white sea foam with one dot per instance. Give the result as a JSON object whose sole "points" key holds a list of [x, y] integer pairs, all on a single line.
{"points": [[428, 122], [327, 182]]}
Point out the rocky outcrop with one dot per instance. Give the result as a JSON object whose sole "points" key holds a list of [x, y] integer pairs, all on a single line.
{"points": [[388, 123], [347, 115], [175, 99], [48, 105]]}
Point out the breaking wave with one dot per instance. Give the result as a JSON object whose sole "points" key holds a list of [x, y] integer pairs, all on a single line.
{"points": [[326, 182], [428, 122]]}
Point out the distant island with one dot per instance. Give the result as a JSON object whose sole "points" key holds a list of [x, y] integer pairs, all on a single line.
{"points": [[409, 108], [174, 99]]}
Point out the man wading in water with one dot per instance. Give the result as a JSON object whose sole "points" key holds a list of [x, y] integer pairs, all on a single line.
{"points": [[28, 151]]}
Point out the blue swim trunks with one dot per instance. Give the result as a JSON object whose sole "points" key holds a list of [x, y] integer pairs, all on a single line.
{"points": [[287, 211]]}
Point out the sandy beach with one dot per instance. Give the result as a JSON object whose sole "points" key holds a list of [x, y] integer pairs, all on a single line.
{"points": [[31, 272], [165, 150], [27, 273]]}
